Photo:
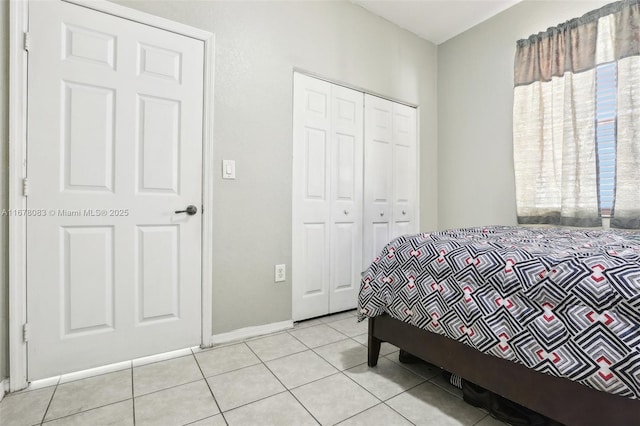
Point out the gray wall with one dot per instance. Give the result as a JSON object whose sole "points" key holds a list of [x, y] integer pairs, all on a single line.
{"points": [[475, 99], [466, 179], [257, 47], [4, 172], [258, 44]]}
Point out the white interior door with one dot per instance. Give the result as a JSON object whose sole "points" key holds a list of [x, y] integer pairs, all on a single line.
{"points": [[114, 148], [346, 197]]}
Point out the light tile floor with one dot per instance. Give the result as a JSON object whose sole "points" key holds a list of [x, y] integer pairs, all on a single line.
{"points": [[315, 373]]}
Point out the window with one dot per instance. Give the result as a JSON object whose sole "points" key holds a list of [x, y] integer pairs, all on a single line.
{"points": [[606, 110], [576, 121]]}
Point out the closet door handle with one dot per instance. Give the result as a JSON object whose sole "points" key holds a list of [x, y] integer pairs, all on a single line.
{"points": [[381, 214], [404, 212], [346, 212]]}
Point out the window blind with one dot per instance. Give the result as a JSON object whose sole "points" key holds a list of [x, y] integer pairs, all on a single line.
{"points": [[606, 110]]}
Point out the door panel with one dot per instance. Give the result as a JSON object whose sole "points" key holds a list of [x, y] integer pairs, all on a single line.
{"points": [[311, 205], [343, 252], [346, 178], [88, 117], [405, 176], [158, 123], [89, 45], [88, 280], [346, 170], [157, 278], [316, 163], [379, 168], [114, 148], [159, 62], [390, 174], [314, 268], [380, 237], [327, 197]]}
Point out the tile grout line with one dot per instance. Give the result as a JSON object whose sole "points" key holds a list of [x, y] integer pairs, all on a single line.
{"points": [[308, 349], [303, 406], [170, 387], [207, 418], [324, 344], [377, 405], [398, 412], [426, 380], [86, 411], [367, 390], [44, 416], [209, 386], [384, 401], [338, 372], [342, 332], [257, 400], [444, 389], [479, 421], [133, 396], [413, 387], [279, 357], [283, 385], [320, 355]]}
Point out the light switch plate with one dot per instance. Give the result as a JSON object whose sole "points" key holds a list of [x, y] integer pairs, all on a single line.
{"points": [[228, 169]]}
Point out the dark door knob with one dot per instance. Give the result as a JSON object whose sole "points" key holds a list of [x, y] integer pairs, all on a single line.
{"points": [[190, 210]]}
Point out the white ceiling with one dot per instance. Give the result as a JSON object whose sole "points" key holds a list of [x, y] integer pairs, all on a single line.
{"points": [[436, 20]]}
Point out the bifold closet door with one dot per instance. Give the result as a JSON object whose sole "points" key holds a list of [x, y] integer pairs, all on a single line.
{"points": [[327, 197], [390, 173], [347, 162]]}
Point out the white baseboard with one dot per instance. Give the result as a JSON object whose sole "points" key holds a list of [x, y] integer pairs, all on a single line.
{"points": [[4, 388], [248, 332]]}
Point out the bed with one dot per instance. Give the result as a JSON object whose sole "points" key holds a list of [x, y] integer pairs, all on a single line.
{"points": [[548, 318]]}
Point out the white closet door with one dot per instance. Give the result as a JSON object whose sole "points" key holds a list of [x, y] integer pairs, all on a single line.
{"points": [[311, 216], [346, 197], [378, 185], [404, 170], [390, 170], [327, 197]]}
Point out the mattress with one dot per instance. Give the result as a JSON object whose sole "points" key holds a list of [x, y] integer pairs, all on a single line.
{"points": [[562, 302]]}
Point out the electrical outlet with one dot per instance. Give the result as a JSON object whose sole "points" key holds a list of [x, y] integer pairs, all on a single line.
{"points": [[280, 273]]}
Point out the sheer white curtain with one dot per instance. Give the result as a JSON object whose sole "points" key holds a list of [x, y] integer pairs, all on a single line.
{"points": [[625, 29], [554, 118]]}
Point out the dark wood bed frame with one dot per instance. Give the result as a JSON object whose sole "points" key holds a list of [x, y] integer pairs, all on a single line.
{"points": [[560, 399]]}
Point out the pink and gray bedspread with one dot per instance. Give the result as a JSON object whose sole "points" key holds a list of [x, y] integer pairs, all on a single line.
{"points": [[566, 303]]}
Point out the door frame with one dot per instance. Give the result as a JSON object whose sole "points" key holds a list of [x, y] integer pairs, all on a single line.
{"points": [[17, 246]]}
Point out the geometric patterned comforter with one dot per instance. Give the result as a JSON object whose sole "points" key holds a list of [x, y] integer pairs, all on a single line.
{"points": [[563, 302]]}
